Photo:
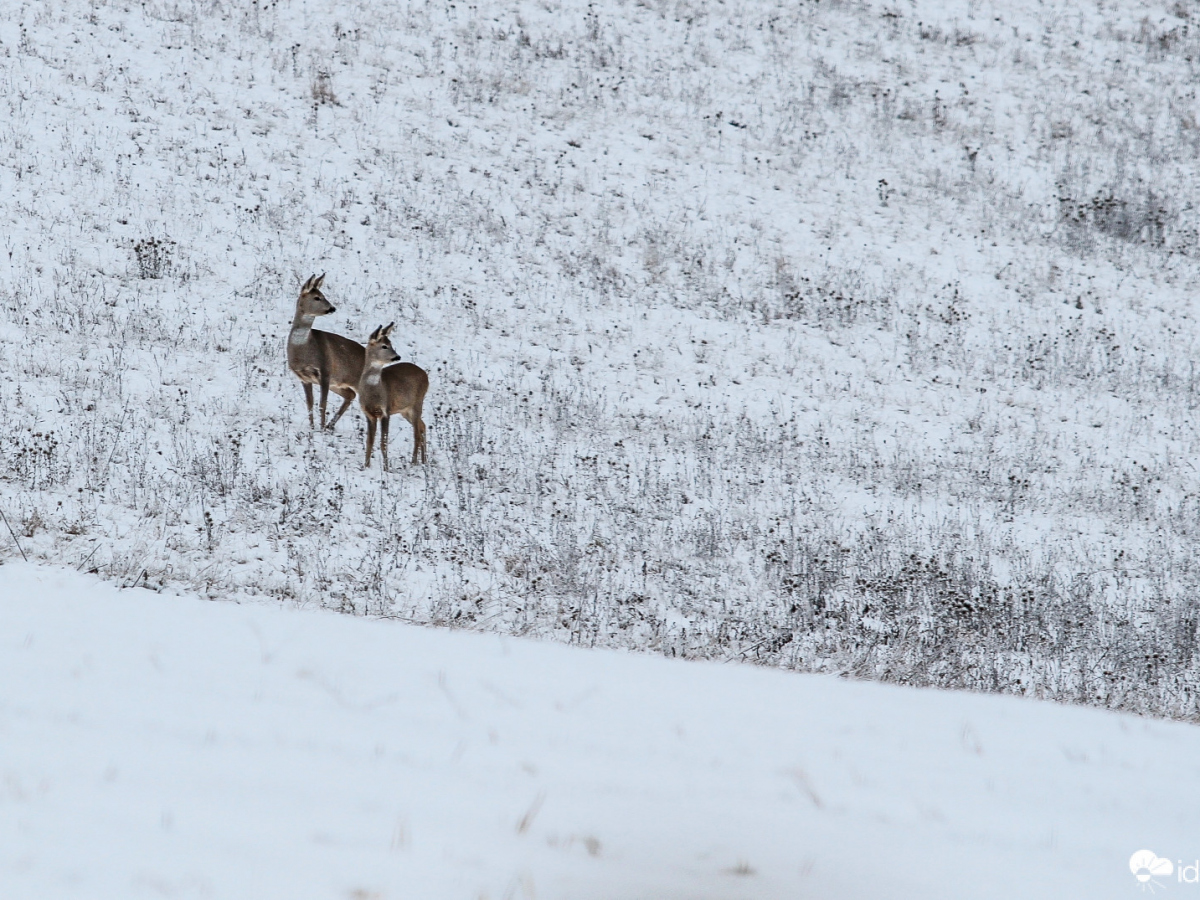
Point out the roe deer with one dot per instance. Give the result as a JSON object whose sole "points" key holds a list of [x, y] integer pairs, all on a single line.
{"points": [[321, 357], [387, 387]]}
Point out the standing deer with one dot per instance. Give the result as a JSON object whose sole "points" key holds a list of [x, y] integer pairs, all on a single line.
{"points": [[321, 357], [387, 387]]}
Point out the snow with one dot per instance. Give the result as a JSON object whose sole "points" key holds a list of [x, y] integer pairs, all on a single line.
{"points": [[848, 338], [155, 745], [841, 337]]}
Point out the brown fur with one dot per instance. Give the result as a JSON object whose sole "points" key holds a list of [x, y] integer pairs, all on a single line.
{"points": [[322, 358], [388, 387]]}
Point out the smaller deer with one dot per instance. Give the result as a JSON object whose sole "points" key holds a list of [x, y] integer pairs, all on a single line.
{"points": [[389, 386], [320, 357]]}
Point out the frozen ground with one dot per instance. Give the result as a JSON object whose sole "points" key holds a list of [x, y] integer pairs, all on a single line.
{"points": [[166, 746], [842, 337]]}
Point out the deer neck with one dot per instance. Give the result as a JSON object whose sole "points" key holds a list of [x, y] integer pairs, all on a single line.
{"points": [[373, 374], [301, 330]]}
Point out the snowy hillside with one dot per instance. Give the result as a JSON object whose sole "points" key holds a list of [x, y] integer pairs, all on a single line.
{"points": [[842, 337], [163, 746]]}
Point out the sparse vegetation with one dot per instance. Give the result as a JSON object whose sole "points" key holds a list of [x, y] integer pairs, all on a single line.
{"points": [[838, 337]]}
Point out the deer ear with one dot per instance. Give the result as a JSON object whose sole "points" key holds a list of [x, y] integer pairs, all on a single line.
{"points": [[388, 329], [308, 284], [320, 281]]}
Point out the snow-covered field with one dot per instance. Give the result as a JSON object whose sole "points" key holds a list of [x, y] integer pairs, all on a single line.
{"points": [[166, 746], [853, 338], [842, 337]]}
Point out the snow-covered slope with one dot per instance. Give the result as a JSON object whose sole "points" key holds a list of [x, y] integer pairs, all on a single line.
{"points": [[852, 337], [154, 745]]}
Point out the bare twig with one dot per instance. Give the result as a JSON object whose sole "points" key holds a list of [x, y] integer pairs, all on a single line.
{"points": [[79, 568], [14, 535]]}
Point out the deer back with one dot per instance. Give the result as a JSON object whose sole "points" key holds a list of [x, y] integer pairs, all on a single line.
{"points": [[406, 385], [341, 357]]}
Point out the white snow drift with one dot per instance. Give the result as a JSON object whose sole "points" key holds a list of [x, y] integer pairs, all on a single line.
{"points": [[164, 746]]}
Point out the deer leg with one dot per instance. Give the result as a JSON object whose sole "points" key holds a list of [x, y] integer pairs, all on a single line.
{"points": [[324, 396], [370, 440], [308, 400], [418, 439], [383, 434], [347, 396], [418, 427]]}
